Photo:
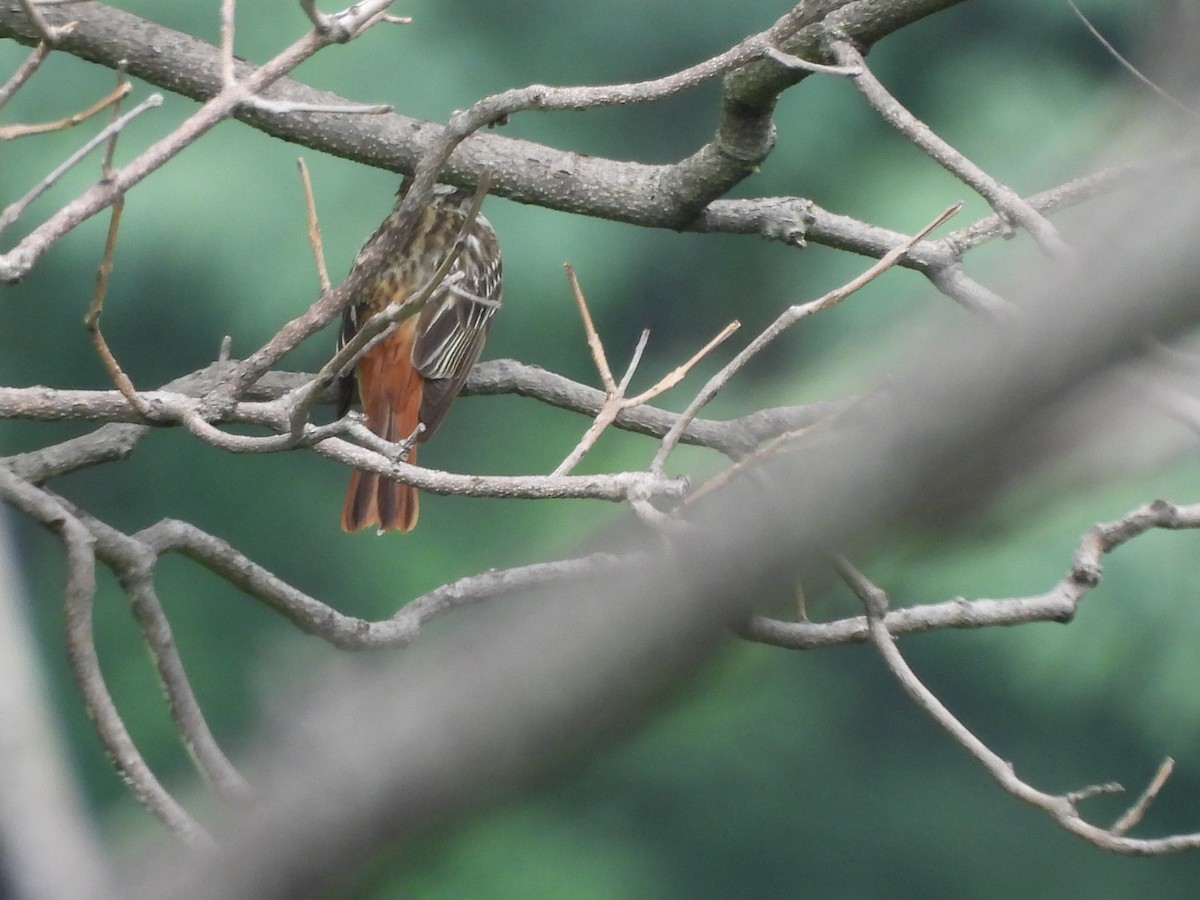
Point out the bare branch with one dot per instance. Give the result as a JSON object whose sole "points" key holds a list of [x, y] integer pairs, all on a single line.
{"points": [[85, 665], [1059, 604], [786, 319], [14, 210], [24, 72], [1004, 200], [733, 437], [1061, 808], [51, 848], [17, 262], [314, 227], [9, 132]]}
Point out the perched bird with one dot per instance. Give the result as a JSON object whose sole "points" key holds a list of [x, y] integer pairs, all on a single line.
{"points": [[407, 378]]}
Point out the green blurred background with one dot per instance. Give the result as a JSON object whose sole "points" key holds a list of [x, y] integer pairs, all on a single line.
{"points": [[777, 773]]}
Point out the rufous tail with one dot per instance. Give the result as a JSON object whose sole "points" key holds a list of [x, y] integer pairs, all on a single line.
{"points": [[391, 397], [373, 500]]}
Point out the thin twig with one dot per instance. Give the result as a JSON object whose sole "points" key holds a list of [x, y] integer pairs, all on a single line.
{"points": [[613, 403], [1129, 67], [746, 464], [680, 372], [615, 400], [786, 319], [9, 132], [595, 345], [1003, 199], [103, 273], [110, 149], [314, 227], [92, 320], [1062, 807], [1134, 814], [24, 72], [14, 210], [228, 14]]}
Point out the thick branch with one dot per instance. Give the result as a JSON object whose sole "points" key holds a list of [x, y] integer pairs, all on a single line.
{"points": [[733, 437], [530, 173]]}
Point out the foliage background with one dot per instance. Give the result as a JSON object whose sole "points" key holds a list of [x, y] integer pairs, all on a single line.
{"points": [[777, 773]]}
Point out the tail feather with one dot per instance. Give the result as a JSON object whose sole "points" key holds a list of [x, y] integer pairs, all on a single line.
{"points": [[392, 406], [372, 500]]}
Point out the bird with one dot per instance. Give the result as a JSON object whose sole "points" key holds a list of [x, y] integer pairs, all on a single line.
{"points": [[408, 377]]}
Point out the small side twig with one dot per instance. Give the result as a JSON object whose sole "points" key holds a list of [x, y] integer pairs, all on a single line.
{"points": [[1134, 814], [1062, 807], [595, 345], [680, 372], [1129, 67], [798, 62], [14, 210], [786, 319], [314, 227], [48, 32], [615, 399], [228, 14], [91, 321], [10, 132], [24, 72]]}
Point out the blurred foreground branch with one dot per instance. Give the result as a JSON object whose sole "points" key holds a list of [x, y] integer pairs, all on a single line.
{"points": [[431, 737]]}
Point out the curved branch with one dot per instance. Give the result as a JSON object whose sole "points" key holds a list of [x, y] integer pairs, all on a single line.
{"points": [[350, 632], [1056, 605], [133, 563], [1060, 807], [733, 437], [80, 591], [524, 171]]}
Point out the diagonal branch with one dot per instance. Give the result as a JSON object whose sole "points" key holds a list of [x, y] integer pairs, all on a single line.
{"points": [[15, 264], [1007, 202], [786, 319], [1061, 807]]}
